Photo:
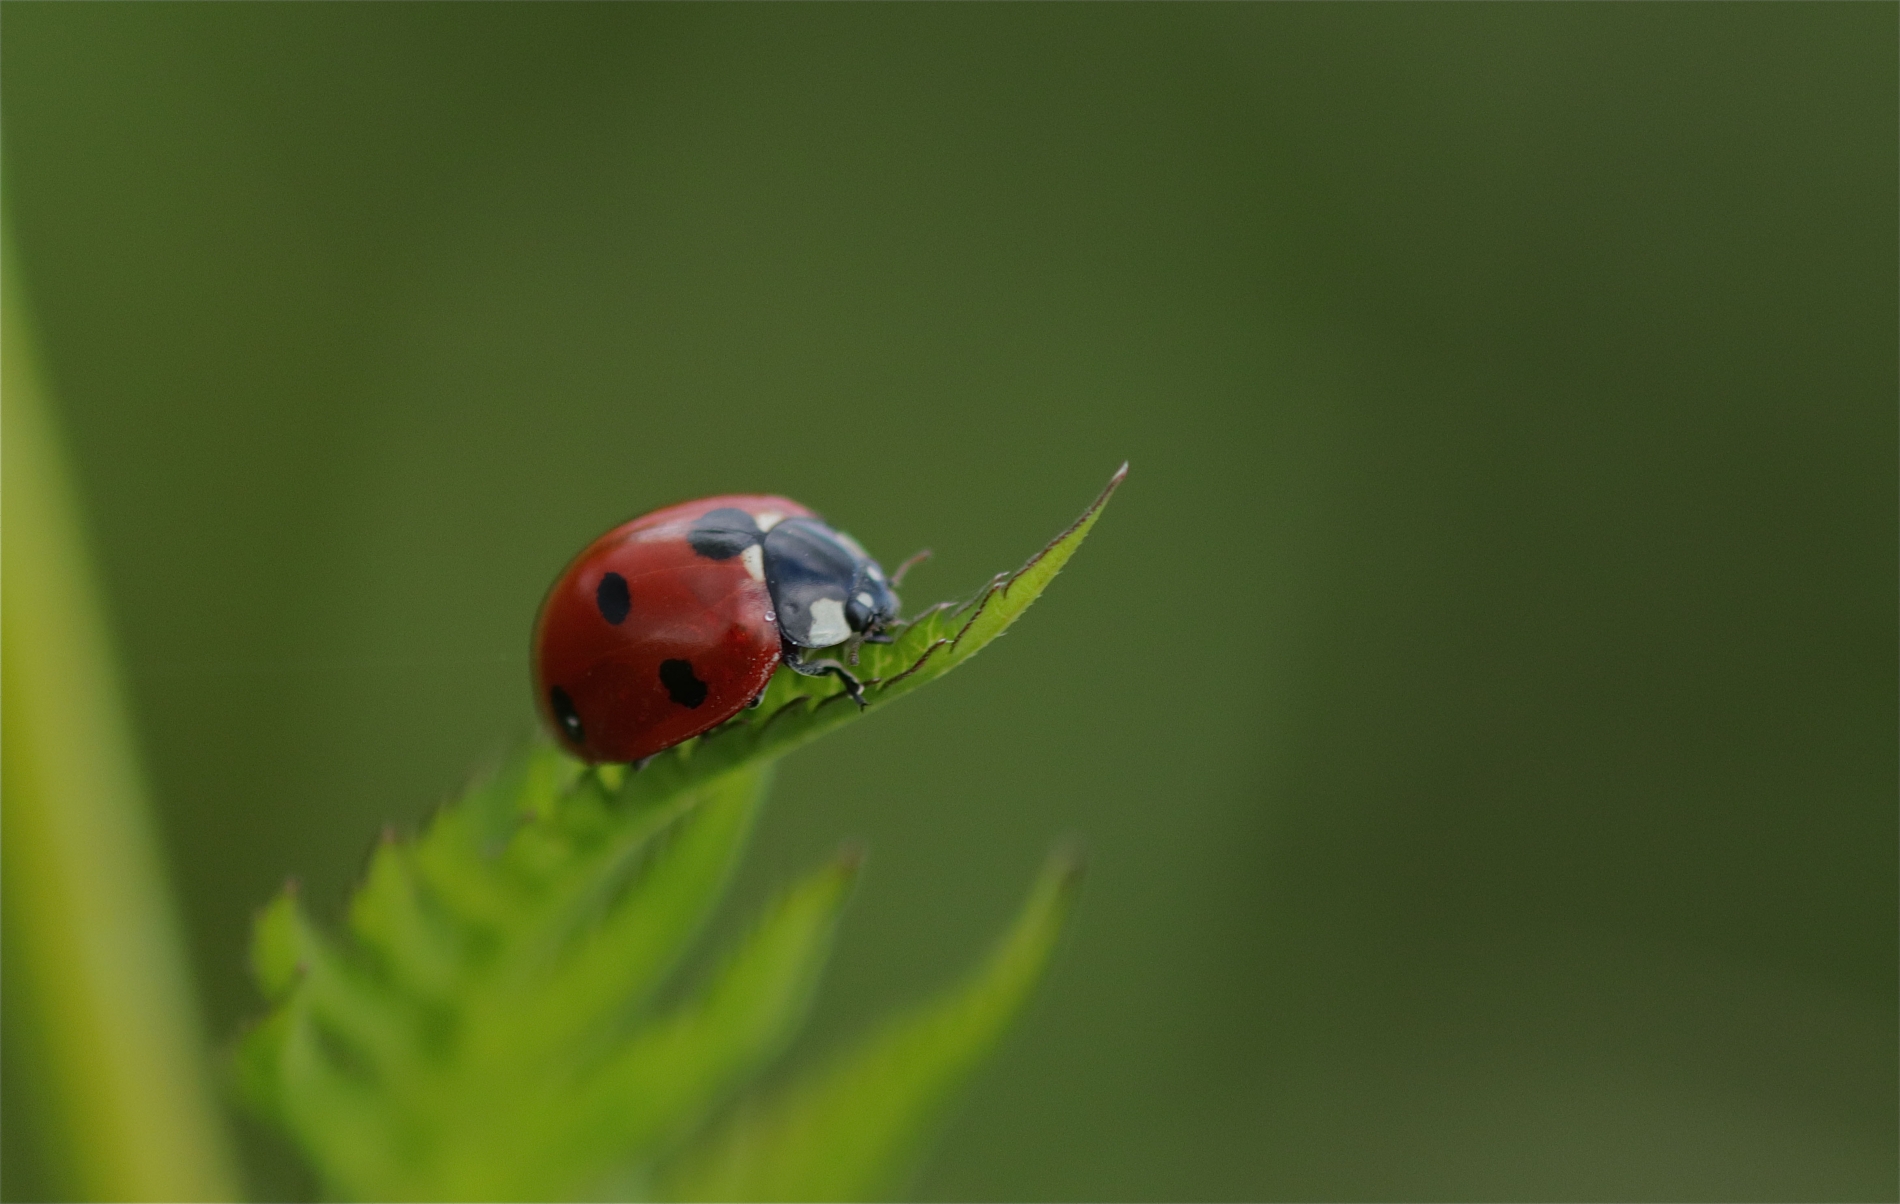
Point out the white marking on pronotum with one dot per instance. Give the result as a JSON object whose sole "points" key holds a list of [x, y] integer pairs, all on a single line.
{"points": [[827, 623], [754, 560], [768, 520], [864, 600]]}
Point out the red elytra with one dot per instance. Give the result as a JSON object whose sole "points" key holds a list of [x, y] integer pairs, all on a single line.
{"points": [[694, 643]]}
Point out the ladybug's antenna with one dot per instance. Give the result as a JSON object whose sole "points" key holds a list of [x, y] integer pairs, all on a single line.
{"points": [[897, 578]]}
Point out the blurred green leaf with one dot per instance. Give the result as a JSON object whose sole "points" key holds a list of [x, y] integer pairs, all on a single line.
{"points": [[666, 1078], [850, 1131], [96, 981], [490, 1025]]}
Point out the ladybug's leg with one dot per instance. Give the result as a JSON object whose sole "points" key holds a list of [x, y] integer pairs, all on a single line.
{"points": [[859, 640], [862, 638], [790, 656], [877, 635]]}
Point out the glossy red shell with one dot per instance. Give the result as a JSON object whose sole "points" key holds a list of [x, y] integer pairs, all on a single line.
{"points": [[712, 614]]}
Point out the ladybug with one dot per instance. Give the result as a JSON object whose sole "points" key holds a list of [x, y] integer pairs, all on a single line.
{"points": [[673, 623]]}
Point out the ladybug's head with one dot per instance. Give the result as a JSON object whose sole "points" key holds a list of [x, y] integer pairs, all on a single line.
{"points": [[873, 603]]}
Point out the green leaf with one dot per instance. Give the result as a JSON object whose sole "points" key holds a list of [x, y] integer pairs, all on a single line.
{"points": [[494, 1019], [665, 1079], [485, 985], [107, 1072], [848, 1132]]}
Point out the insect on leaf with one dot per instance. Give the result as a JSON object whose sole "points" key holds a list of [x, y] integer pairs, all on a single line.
{"points": [[798, 709], [497, 1018]]}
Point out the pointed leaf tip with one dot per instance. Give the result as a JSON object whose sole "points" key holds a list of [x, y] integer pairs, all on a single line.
{"points": [[1068, 862], [1066, 542], [277, 948]]}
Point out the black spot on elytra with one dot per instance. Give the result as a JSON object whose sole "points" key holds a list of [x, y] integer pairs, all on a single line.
{"points": [[613, 599], [570, 719], [722, 534], [681, 685]]}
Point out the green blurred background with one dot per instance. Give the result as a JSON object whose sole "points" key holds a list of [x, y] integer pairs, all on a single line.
{"points": [[1480, 705]]}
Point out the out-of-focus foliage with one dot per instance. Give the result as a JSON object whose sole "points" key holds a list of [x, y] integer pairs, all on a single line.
{"points": [[493, 1024], [98, 994], [850, 1131]]}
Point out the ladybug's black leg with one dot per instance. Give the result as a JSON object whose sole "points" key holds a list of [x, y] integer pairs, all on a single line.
{"points": [[821, 668], [874, 636]]}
